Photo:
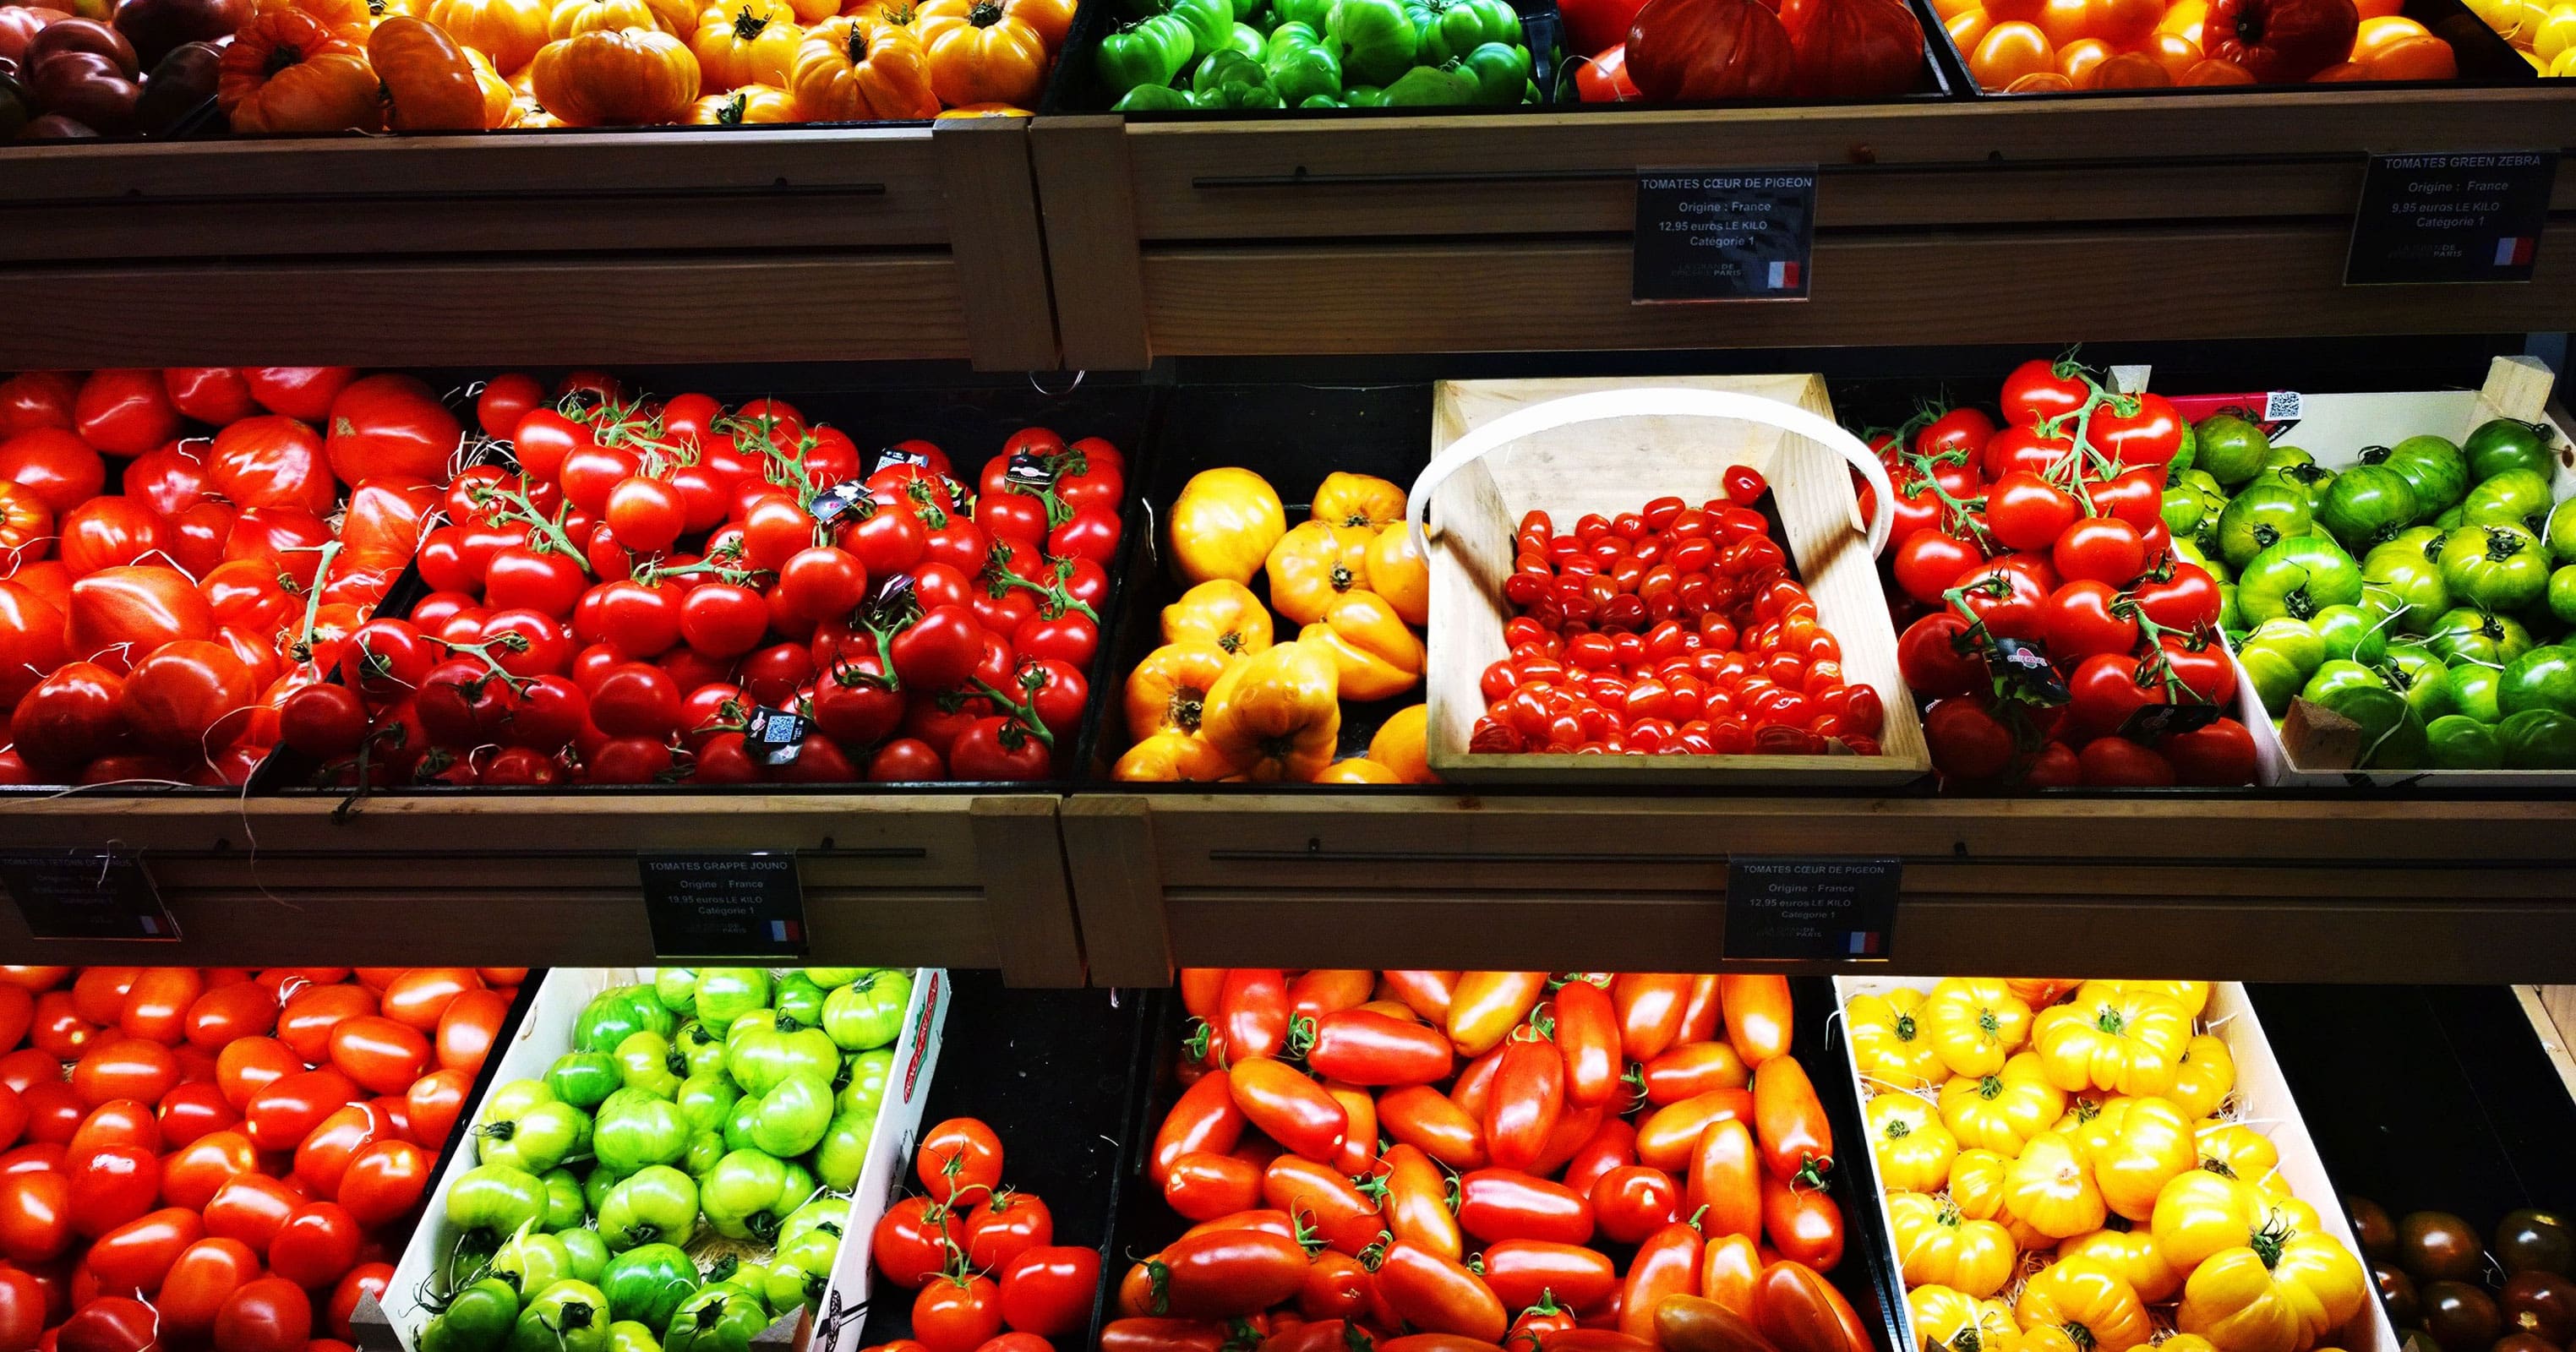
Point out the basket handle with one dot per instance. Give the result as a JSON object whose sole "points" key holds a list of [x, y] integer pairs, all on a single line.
{"points": [[1653, 401]]}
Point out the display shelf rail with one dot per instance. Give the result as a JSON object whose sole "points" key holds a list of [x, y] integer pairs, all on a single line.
{"points": [[551, 880], [2232, 887]]}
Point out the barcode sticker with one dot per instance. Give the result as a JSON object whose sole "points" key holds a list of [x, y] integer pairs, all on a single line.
{"points": [[2281, 406]]}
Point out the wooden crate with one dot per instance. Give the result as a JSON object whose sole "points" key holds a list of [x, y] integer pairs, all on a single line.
{"points": [[1611, 466]]}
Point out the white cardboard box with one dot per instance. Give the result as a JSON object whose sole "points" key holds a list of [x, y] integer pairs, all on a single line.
{"points": [[2261, 1099], [546, 1033]]}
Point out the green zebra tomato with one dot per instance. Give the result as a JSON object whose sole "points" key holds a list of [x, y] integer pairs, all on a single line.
{"points": [[727, 993], [1151, 99], [636, 1129], [863, 1081], [743, 1274], [2264, 514], [1432, 87], [796, 998], [2392, 738], [1374, 38], [828, 1211], [2350, 632], [617, 1013], [2307, 476], [1502, 71], [595, 1187], [868, 1013], [2502, 445], [1452, 28], [478, 1319], [2459, 742], [2468, 634], [830, 978], [647, 1283], [705, 1100], [2414, 672], [564, 1205], [2297, 577], [656, 1204], [2561, 595], [583, 1079], [589, 1253], [2401, 579], [2514, 498], [2192, 498], [649, 1063], [738, 1122], [2495, 567], [677, 989], [700, 1047], [2432, 466], [705, 1148], [2365, 505], [568, 1316], [532, 1261], [791, 1116], [2232, 449], [718, 1318], [787, 1286], [743, 1185], [495, 1201], [2336, 675], [2476, 689], [2559, 532], [626, 1335], [1299, 71], [759, 1058], [2544, 678], [814, 1249], [843, 1152], [2538, 739]]}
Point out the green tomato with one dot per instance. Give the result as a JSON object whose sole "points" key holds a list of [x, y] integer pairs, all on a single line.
{"points": [[791, 1116], [2475, 687], [705, 1100], [2562, 593], [2185, 456], [743, 1185], [868, 1012], [788, 1285], [2502, 445], [743, 1274], [2459, 742], [494, 1201], [1151, 99], [727, 993], [2400, 579], [2261, 516], [705, 1148], [626, 1335], [589, 1253], [2298, 577], [568, 1316], [1376, 41], [1226, 66], [582, 1079], [677, 989], [2538, 739], [595, 1187], [2450, 519], [2276, 679], [533, 1261], [2337, 675], [863, 1081], [647, 1283], [2495, 567], [2513, 498], [2350, 632], [1452, 28], [700, 1047], [536, 1140], [832, 978], [718, 1318], [2192, 498], [2309, 477], [1211, 23], [1239, 37], [814, 1249], [2432, 466], [2392, 738], [2188, 548], [738, 1122], [2544, 678], [827, 1212], [1314, 14], [2559, 532], [843, 1152], [1144, 54], [2467, 634], [2299, 641], [654, 1205], [649, 1063], [1299, 71], [2231, 617], [564, 1206], [478, 1319], [2365, 505], [617, 1013], [1502, 71], [1433, 87], [2414, 672], [636, 1129], [762, 1057], [2284, 457], [2231, 449]]}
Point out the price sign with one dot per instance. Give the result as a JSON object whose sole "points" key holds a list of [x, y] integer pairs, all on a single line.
{"points": [[86, 894], [1822, 908], [701, 906], [1727, 234], [2450, 218]]}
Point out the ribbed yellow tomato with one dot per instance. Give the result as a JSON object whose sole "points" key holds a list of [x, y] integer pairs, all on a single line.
{"points": [[1221, 612], [1278, 715], [2205, 1078], [1167, 692], [2134, 1254], [2281, 1293], [1889, 1043], [1398, 572], [1974, 1024], [2136, 1146], [1400, 744], [2109, 1037], [1977, 1184], [2088, 1302], [2040, 992], [1169, 758], [1224, 523], [2050, 1190], [1376, 654], [2193, 996], [1937, 1245], [1950, 1320], [2201, 1212], [1911, 1146], [2239, 1151], [1313, 566], [1363, 500], [1999, 1112]]}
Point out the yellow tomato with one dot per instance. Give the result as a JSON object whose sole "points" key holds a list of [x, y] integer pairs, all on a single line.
{"points": [[1224, 523], [1277, 714], [2373, 35], [1937, 1245], [1974, 1024], [2205, 1078], [1376, 655], [1171, 757], [2088, 1301], [1398, 745], [1999, 1112], [1950, 1320], [1362, 500], [2050, 1190], [1889, 1043], [2281, 1293], [1167, 692], [1398, 572], [1977, 1183], [2142, 1144], [2199, 1213], [2128, 1041], [2557, 33], [1912, 1148], [1357, 770], [2134, 1255], [1311, 566], [1221, 612], [2240, 1152]]}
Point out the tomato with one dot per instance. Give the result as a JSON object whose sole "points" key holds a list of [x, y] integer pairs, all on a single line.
{"points": [[271, 461], [251, 1064], [999, 749], [940, 649], [912, 1239], [391, 427], [2038, 390], [139, 1253], [1967, 741], [58, 467], [22, 1309], [956, 1155], [635, 699], [279, 1116], [35, 1216], [111, 1185], [270, 1314], [469, 1027], [2121, 763], [33, 399], [1632, 1201], [313, 1011], [1930, 562], [297, 391], [420, 994], [109, 1324], [2189, 599], [318, 1243], [1666, 1264], [124, 1068], [2219, 755], [957, 1314], [381, 1055], [124, 411], [2139, 430], [206, 1275]]}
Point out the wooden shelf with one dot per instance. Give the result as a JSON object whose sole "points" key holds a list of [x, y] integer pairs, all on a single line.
{"points": [[2244, 888], [506, 880]]}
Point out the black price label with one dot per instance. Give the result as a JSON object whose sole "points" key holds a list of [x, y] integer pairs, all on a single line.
{"points": [[2450, 218], [839, 498], [723, 905], [1732, 234], [2023, 668], [86, 894], [2155, 722], [1822, 908]]}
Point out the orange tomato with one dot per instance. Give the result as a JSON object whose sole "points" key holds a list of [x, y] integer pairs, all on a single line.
{"points": [[2010, 51], [1968, 27], [2176, 53], [2185, 19], [2065, 21], [1945, 10], [2131, 70], [2375, 34], [2426, 58], [2217, 73], [2124, 23], [2077, 59], [2007, 11]]}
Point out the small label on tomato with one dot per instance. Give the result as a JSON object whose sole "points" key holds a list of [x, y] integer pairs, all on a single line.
{"points": [[1818, 908], [700, 906], [2283, 406], [2025, 669], [1723, 234], [1028, 469], [86, 894], [840, 497], [896, 455], [2156, 722], [2474, 217], [773, 737]]}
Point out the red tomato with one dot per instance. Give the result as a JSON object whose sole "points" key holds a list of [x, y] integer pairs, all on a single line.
{"points": [[108, 1324], [323, 1155], [22, 1309], [418, 996], [2219, 755], [192, 1174], [246, 1066], [35, 1216], [111, 1185], [366, 1279], [911, 1241], [251, 1208], [381, 1055], [1048, 1290], [192, 1110], [124, 1068], [139, 1253], [469, 1027], [383, 1181], [207, 1274], [124, 411], [58, 467], [390, 427], [281, 1115], [317, 1244], [271, 461], [267, 1315], [311, 1013], [297, 391], [110, 532], [957, 1314], [958, 1154]]}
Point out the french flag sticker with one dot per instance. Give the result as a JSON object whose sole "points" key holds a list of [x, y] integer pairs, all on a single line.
{"points": [[1865, 943], [1784, 276], [2514, 252], [785, 931]]}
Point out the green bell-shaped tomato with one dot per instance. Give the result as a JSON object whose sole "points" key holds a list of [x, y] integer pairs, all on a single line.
{"points": [[2544, 678], [2260, 516], [2402, 580], [745, 1274], [2297, 577], [2414, 672], [532, 1261], [2189, 549], [796, 998], [2538, 739], [677, 989], [2459, 742], [832, 978], [2392, 738], [705, 1148], [1452, 28], [2365, 505], [2336, 675], [1375, 40], [2190, 499], [701, 1047], [496, 1201], [2309, 477], [478, 1319], [738, 1123], [649, 1063], [727, 993], [525, 1127], [594, 1189], [2503, 445], [868, 1013], [588, 1252], [802, 1268], [568, 1316], [2561, 595], [636, 1129], [657, 1204], [2432, 466], [758, 1058], [719, 1318], [647, 1283], [564, 1206], [791, 1116], [583, 1079], [1501, 71], [2285, 457], [2559, 532], [2514, 498], [705, 1100], [843, 1152], [2495, 567], [863, 1081], [1301, 71], [2352, 633], [617, 1013], [830, 1211], [2468, 634], [626, 1335], [2231, 449], [743, 1185], [2476, 687]]}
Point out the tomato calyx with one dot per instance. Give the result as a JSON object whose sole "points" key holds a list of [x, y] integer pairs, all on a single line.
{"points": [[547, 534]]}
